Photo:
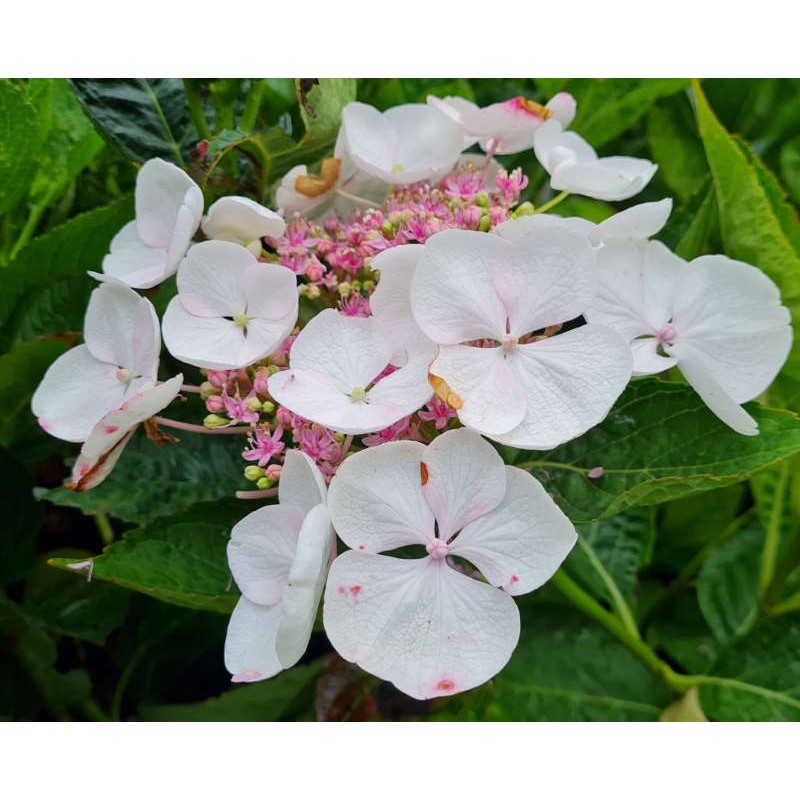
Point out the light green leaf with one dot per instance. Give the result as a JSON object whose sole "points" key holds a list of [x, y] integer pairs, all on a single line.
{"points": [[178, 559], [790, 167], [727, 586], [286, 697], [758, 225], [20, 137], [658, 443], [757, 678]]}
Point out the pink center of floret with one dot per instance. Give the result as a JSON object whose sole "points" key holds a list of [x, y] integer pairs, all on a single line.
{"points": [[124, 375], [509, 343], [437, 548], [666, 334]]}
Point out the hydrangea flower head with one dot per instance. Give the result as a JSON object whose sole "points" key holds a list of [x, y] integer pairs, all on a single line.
{"points": [[169, 206], [422, 623]]}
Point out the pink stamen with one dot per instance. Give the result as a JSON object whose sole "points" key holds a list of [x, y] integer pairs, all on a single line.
{"points": [[666, 334], [437, 548]]}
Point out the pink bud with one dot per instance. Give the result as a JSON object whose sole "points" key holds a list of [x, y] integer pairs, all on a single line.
{"points": [[215, 404]]}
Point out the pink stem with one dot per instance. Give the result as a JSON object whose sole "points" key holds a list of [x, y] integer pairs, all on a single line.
{"points": [[191, 389], [187, 426], [257, 495]]}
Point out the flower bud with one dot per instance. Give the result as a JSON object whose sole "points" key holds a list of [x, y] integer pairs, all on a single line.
{"points": [[485, 224], [313, 292], [344, 289], [207, 389], [274, 471], [252, 404], [482, 199], [214, 421], [267, 407], [215, 404], [264, 483], [523, 210], [254, 473]]}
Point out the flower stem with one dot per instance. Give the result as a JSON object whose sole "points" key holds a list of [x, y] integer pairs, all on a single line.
{"points": [[773, 532], [586, 603], [104, 528], [257, 494], [187, 389], [252, 104], [187, 426], [196, 109], [551, 203], [354, 198]]}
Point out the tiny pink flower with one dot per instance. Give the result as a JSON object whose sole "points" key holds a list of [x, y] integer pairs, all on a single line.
{"points": [[265, 447]]}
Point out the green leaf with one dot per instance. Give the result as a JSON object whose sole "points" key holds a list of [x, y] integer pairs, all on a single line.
{"points": [[568, 669], [178, 559], [21, 516], [679, 629], [790, 167], [727, 586], [51, 269], [285, 697], [757, 678], [71, 141], [690, 227], [622, 545], [21, 370], [608, 107], [676, 147], [80, 608], [20, 137], [144, 118], [152, 481], [658, 443], [758, 225]]}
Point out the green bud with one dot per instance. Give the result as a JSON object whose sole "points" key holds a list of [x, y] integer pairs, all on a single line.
{"points": [[482, 199], [215, 421], [264, 483], [267, 407], [368, 286], [207, 389], [252, 404], [485, 224], [356, 286], [272, 369], [313, 292], [254, 473], [524, 210], [302, 290], [344, 289], [387, 229]]}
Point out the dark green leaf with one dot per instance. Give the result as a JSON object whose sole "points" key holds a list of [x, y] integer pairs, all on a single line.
{"points": [[679, 630], [622, 544], [179, 559], [658, 443], [21, 517], [757, 678], [60, 256], [568, 669], [676, 147], [145, 118], [690, 228], [727, 586], [282, 698], [88, 610]]}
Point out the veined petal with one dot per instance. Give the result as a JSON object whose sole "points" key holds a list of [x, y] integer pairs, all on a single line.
{"points": [[352, 351], [301, 484], [250, 652], [101, 451], [187, 222], [637, 222], [161, 191], [261, 551], [646, 358], [465, 478], [75, 392], [291, 202], [522, 228], [521, 542], [241, 220], [563, 106], [210, 279], [613, 178], [121, 328], [452, 292], [695, 369], [491, 396], [369, 138], [407, 389], [207, 342], [570, 382], [135, 263], [375, 499], [271, 292], [428, 629], [550, 279], [315, 546], [556, 148]]}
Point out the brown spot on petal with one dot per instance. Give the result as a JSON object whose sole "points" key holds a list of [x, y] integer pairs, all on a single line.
{"points": [[155, 434], [315, 185], [423, 472], [533, 107], [444, 392]]}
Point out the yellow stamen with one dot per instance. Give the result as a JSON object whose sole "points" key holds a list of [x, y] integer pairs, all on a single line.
{"points": [[533, 107], [444, 392]]}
